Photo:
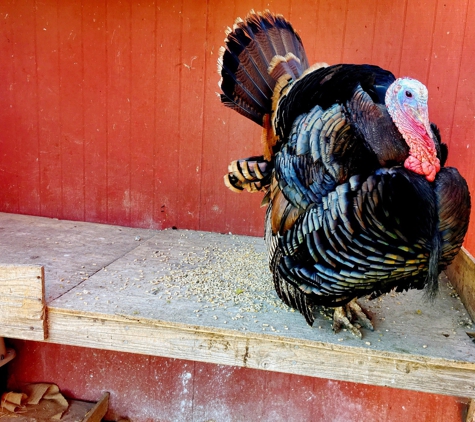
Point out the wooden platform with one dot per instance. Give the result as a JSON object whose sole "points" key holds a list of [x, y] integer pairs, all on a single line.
{"points": [[209, 297]]}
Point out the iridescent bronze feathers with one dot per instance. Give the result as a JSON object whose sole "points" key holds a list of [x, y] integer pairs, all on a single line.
{"points": [[347, 215]]}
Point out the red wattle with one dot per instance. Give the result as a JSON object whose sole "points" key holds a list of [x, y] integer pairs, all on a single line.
{"points": [[424, 168]]}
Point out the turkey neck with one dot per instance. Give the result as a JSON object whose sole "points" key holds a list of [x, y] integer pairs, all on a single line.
{"points": [[422, 156], [406, 102]]}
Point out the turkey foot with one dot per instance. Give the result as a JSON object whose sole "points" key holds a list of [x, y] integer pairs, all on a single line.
{"points": [[352, 311]]}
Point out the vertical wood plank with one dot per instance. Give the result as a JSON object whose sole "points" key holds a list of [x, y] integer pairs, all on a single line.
{"points": [[236, 391], [118, 27], [417, 43], [25, 107], [284, 386], [167, 112], [94, 91], [215, 141], [9, 149], [143, 105], [281, 7], [49, 134], [330, 31], [174, 389], [447, 42], [21, 143], [462, 151], [306, 19], [222, 210], [192, 65], [359, 32], [387, 42], [71, 109], [461, 274]]}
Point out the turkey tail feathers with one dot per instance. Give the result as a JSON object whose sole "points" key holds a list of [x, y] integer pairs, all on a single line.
{"points": [[257, 52], [432, 279]]}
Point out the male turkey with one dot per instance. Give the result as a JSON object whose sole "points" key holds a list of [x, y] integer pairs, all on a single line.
{"points": [[359, 200]]}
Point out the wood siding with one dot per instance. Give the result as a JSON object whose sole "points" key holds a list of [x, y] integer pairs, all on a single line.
{"points": [[108, 111], [155, 389]]}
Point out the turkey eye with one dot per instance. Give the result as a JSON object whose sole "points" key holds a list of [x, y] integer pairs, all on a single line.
{"points": [[408, 94]]}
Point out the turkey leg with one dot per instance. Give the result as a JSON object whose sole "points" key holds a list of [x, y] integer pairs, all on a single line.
{"points": [[343, 316]]}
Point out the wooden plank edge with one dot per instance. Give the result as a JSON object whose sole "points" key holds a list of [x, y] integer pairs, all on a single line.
{"points": [[461, 274], [263, 351], [471, 411], [99, 410], [27, 321], [8, 357]]}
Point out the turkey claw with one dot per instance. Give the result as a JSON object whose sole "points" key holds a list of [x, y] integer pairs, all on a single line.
{"points": [[343, 316]]}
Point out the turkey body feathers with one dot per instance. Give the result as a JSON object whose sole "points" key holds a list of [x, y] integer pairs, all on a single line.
{"points": [[372, 235], [347, 216], [327, 86]]}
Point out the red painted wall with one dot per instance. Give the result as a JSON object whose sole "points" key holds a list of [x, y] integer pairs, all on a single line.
{"points": [[108, 113], [108, 110], [154, 389]]}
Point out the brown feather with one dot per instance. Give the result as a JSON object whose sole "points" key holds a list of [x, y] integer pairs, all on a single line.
{"points": [[284, 214], [268, 138], [285, 65]]}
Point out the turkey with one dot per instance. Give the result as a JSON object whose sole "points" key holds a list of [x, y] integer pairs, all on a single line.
{"points": [[359, 201]]}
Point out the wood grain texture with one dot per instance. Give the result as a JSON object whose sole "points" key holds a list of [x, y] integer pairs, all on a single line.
{"points": [[94, 91], [99, 410], [8, 357], [461, 143], [142, 291], [22, 303], [118, 109], [263, 352], [471, 412], [71, 104], [461, 274], [143, 103], [147, 388], [68, 252], [49, 114], [109, 114]]}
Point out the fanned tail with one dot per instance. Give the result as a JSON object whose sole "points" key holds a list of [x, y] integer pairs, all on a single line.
{"points": [[258, 51]]}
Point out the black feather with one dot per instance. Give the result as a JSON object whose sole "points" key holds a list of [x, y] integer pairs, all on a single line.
{"points": [[345, 218]]}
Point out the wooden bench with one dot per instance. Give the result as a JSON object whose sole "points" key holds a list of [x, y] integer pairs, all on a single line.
{"points": [[209, 297]]}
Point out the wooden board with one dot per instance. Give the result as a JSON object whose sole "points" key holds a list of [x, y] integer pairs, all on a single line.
{"points": [[462, 275], [99, 410], [8, 357], [70, 252], [22, 303], [322, 359], [209, 297], [471, 412]]}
